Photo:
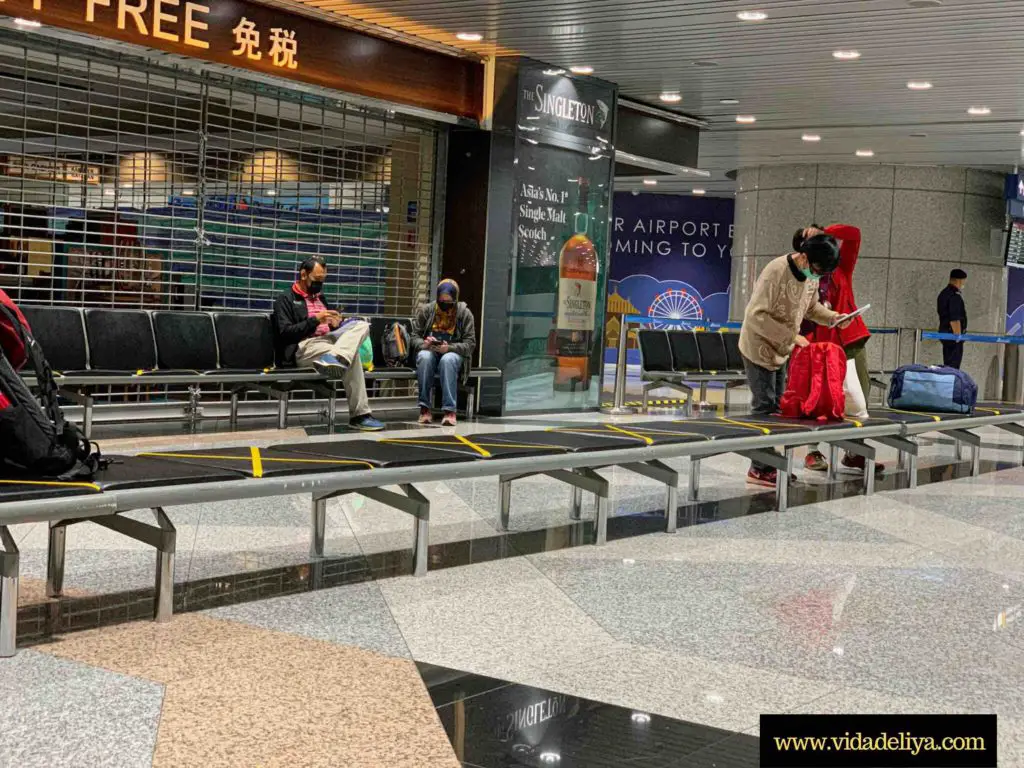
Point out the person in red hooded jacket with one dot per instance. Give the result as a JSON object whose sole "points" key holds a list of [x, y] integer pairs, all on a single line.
{"points": [[836, 292]]}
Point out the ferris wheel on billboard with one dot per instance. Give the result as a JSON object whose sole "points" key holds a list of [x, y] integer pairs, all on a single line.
{"points": [[675, 304]]}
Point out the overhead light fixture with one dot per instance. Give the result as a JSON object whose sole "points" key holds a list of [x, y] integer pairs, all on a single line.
{"points": [[751, 15], [865, 153], [846, 55], [470, 37], [919, 135], [705, 63], [1022, 133], [582, 69], [919, 85], [979, 111], [811, 137], [554, 72], [671, 97], [924, 3], [550, 758], [27, 23], [729, 101], [699, 191], [640, 717], [650, 182], [746, 119]]}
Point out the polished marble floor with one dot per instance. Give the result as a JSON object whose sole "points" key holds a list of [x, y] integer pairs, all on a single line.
{"points": [[910, 601]]}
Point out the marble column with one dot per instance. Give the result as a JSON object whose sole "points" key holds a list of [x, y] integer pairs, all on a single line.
{"points": [[918, 223]]}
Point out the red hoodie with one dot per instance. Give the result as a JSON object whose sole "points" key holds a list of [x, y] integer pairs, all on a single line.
{"points": [[840, 290]]}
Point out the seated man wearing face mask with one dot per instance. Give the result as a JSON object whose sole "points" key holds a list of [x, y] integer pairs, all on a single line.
{"points": [[312, 335], [443, 339]]}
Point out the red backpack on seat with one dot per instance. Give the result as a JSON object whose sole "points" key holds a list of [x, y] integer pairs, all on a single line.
{"points": [[815, 387]]}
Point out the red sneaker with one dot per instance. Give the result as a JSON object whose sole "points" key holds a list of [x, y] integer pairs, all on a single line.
{"points": [[816, 462], [426, 417], [449, 419], [765, 477]]}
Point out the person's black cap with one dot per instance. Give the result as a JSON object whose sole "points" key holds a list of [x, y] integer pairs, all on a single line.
{"points": [[957, 274], [822, 253]]}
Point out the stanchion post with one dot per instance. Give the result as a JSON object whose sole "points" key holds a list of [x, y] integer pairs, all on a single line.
{"points": [[618, 406], [917, 344]]}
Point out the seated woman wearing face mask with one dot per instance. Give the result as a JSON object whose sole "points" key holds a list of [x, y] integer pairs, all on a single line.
{"points": [[443, 340]]}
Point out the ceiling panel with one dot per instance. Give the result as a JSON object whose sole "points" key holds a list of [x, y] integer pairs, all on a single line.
{"points": [[781, 70]]}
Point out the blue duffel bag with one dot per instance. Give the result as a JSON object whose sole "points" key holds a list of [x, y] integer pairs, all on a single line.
{"points": [[932, 388]]}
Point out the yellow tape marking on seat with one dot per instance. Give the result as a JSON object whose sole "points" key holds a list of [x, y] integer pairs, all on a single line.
{"points": [[257, 462], [993, 411], [936, 419], [854, 422], [523, 445], [195, 456], [636, 435], [52, 484], [486, 454], [763, 430], [672, 432]]}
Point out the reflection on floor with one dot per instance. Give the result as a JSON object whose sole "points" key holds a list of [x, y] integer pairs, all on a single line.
{"points": [[910, 601], [497, 724]]}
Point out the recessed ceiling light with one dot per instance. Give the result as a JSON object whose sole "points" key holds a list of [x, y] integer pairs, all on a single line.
{"points": [[919, 85], [582, 69], [699, 191], [811, 137], [651, 182], [751, 15], [846, 55], [865, 153], [470, 37], [554, 72], [671, 97], [729, 101], [1022, 133], [27, 23], [924, 3], [979, 111], [919, 135], [746, 119]]}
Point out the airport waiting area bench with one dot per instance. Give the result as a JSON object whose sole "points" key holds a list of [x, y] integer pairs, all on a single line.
{"points": [[679, 359], [91, 349], [388, 469]]}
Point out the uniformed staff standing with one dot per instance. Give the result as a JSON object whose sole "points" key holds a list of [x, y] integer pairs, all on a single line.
{"points": [[953, 318]]}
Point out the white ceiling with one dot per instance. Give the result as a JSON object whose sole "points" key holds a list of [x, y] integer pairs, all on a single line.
{"points": [[781, 70]]}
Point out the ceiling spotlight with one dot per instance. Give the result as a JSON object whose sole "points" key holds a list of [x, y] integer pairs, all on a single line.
{"points": [[746, 119], [979, 111], [751, 15], [671, 97], [640, 718], [582, 70], [919, 85], [470, 37], [811, 137], [550, 758], [729, 101], [650, 182], [865, 153], [699, 191], [554, 72], [846, 55]]}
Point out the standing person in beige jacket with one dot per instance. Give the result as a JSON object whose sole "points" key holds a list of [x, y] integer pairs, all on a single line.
{"points": [[784, 295]]}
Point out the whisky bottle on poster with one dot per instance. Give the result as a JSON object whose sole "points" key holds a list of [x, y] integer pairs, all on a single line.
{"points": [[577, 302]]}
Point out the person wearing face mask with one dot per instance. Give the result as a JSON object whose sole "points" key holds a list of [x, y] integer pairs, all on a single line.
{"points": [[310, 334], [835, 291], [786, 293], [443, 338]]}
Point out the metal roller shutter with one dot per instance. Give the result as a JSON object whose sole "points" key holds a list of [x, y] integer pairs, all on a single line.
{"points": [[125, 183]]}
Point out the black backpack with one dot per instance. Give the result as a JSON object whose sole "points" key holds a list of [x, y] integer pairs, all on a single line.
{"points": [[35, 440], [395, 345]]}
